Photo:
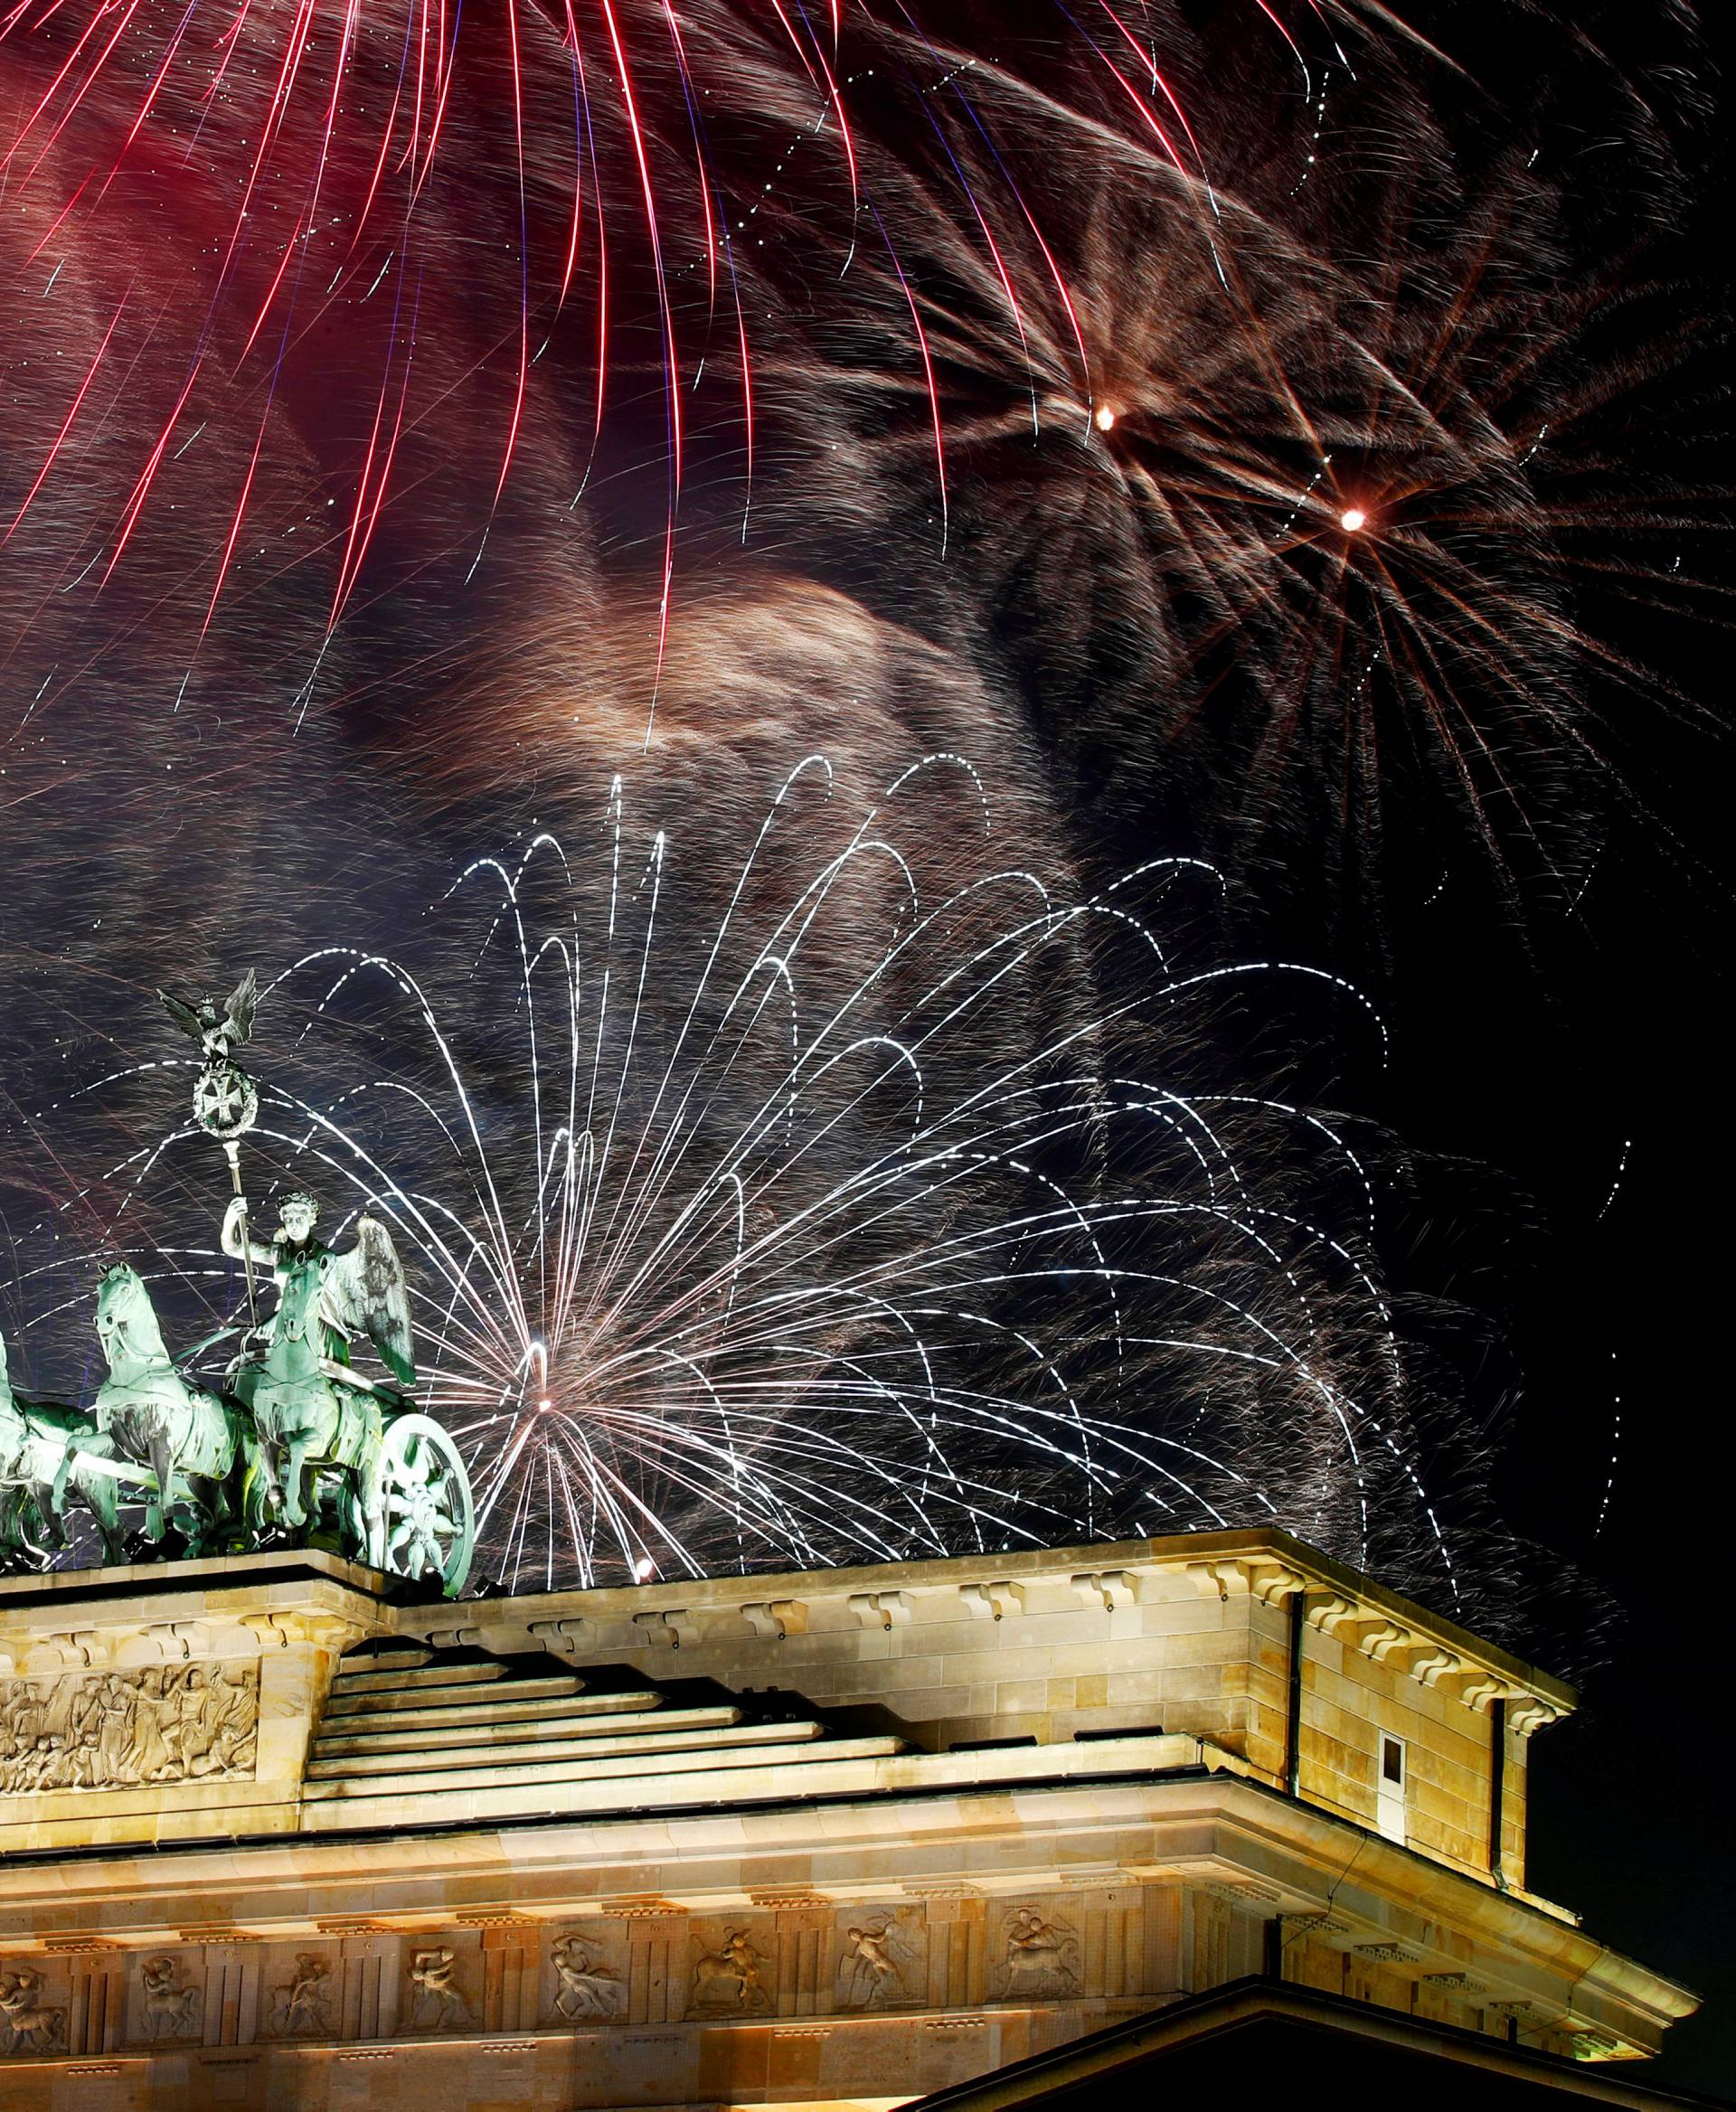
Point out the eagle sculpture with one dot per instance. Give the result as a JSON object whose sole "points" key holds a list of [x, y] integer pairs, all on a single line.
{"points": [[219, 1029]]}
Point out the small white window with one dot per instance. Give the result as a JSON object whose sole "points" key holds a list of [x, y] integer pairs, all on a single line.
{"points": [[1390, 1787]]}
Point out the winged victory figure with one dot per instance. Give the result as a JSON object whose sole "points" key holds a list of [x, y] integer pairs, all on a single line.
{"points": [[219, 1029], [363, 1292]]}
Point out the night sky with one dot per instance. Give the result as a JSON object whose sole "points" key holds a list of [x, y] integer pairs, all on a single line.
{"points": [[1291, 438]]}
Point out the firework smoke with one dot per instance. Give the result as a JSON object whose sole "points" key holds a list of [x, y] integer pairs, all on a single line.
{"points": [[883, 1218], [377, 364]]}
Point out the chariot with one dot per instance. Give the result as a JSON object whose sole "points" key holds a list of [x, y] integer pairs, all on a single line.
{"points": [[288, 1443]]}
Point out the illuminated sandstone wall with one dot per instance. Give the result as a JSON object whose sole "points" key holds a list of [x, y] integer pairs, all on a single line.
{"points": [[272, 1841]]}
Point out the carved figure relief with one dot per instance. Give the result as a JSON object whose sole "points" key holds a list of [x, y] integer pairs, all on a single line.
{"points": [[875, 1960], [726, 1982], [436, 2004], [122, 1729], [589, 1988], [30, 2024], [1042, 1957], [301, 2005], [171, 2006]]}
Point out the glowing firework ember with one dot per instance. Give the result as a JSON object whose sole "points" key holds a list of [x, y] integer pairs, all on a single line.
{"points": [[801, 1243], [1110, 324], [302, 142]]}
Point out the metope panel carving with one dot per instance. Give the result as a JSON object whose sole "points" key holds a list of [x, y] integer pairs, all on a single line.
{"points": [[155, 1725], [881, 1959]]}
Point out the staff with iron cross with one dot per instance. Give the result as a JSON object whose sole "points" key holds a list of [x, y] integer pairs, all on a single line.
{"points": [[225, 1099]]}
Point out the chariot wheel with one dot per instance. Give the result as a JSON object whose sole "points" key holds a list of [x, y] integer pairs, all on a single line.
{"points": [[426, 1519]]}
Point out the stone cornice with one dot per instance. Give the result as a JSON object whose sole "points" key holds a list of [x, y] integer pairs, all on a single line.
{"points": [[1267, 1565], [1209, 1831]]}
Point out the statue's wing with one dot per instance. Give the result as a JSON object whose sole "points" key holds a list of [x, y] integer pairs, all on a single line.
{"points": [[243, 1000], [368, 1293], [184, 1015]]}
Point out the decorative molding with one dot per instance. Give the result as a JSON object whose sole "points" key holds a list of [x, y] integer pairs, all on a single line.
{"points": [[1388, 1642], [1261, 1577], [1531, 1712], [1482, 1690], [1239, 1891], [668, 1625], [1110, 1588], [566, 1638], [774, 1619], [1215, 1580], [1330, 1611], [1435, 1665], [880, 1609], [994, 1601], [462, 1635], [281, 1630]]}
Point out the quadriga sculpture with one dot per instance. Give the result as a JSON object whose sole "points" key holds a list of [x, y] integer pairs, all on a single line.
{"points": [[49, 1454], [197, 1446], [403, 1497], [291, 1441]]}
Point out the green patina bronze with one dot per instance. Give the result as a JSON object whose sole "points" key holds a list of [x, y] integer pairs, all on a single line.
{"points": [[291, 1441]]}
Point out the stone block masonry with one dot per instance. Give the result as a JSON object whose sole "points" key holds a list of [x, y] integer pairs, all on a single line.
{"points": [[836, 1839]]}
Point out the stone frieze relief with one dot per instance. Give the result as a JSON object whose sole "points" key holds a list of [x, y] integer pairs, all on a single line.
{"points": [[126, 1729]]}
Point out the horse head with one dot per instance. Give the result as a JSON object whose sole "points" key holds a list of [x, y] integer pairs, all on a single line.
{"points": [[127, 1321]]}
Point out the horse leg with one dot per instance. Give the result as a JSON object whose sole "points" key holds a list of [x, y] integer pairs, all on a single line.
{"points": [[250, 1464], [99, 1495], [157, 1511], [202, 1502], [373, 1507], [15, 1539], [268, 1500], [295, 1512]]}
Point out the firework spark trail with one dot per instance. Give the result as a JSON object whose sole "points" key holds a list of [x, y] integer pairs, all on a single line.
{"points": [[314, 132], [1347, 471], [1131, 375], [747, 1250]]}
